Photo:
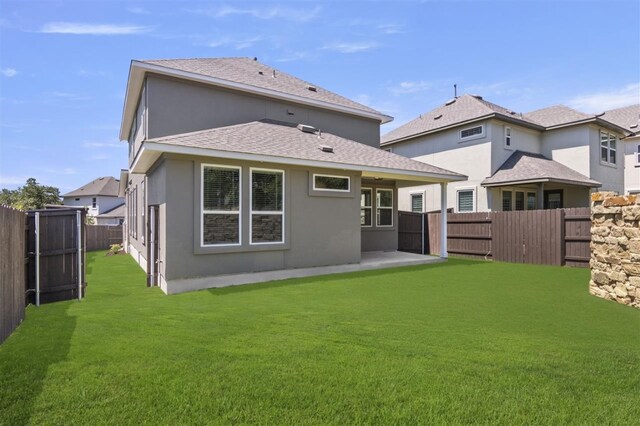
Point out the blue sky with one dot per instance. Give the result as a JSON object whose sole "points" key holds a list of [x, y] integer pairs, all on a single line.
{"points": [[64, 64]]}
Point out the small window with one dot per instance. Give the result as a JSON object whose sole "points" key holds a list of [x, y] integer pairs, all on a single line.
{"points": [[519, 201], [532, 201], [142, 212], [384, 207], [366, 209], [220, 205], [638, 155], [331, 183], [94, 202], [472, 131], [465, 200], [507, 137], [608, 148], [267, 206], [506, 201], [416, 203]]}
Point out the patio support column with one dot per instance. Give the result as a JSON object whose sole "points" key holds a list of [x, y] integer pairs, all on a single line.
{"points": [[541, 195], [443, 220]]}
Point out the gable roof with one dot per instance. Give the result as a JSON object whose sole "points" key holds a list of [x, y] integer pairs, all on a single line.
{"points": [[466, 108], [471, 108], [627, 117], [103, 186], [244, 74], [285, 143], [524, 167]]}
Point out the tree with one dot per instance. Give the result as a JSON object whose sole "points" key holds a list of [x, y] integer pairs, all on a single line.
{"points": [[30, 196]]}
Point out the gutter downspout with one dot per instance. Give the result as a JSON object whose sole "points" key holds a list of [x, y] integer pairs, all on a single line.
{"points": [[443, 221]]}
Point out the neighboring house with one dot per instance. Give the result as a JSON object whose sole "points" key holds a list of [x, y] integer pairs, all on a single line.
{"points": [[548, 158], [99, 196], [115, 216], [235, 168], [629, 118]]}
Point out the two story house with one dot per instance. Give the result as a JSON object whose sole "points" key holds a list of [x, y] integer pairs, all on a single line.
{"points": [[629, 118], [237, 169], [550, 158], [101, 199]]}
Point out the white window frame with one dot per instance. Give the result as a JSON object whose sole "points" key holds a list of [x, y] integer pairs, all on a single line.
{"points": [[94, 202], [266, 212], [414, 194], [203, 211], [638, 155], [507, 138], [348, 178], [384, 208], [370, 206], [478, 136], [465, 189], [502, 200], [608, 147]]}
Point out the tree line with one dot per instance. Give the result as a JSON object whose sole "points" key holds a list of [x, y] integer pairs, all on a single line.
{"points": [[31, 196]]}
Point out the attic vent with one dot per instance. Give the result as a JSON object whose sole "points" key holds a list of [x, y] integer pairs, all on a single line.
{"points": [[306, 128], [477, 97], [437, 117], [312, 88], [450, 101], [326, 148]]}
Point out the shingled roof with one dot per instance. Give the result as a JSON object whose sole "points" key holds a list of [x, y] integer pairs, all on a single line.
{"points": [[627, 117], [280, 142], [103, 186], [524, 167], [556, 115]]}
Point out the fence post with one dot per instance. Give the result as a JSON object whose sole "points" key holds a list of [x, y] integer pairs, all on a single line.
{"points": [[79, 242], [37, 231], [563, 236]]}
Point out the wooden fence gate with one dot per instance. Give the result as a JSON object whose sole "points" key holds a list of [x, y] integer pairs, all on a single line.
{"points": [[547, 237], [12, 269], [56, 251]]}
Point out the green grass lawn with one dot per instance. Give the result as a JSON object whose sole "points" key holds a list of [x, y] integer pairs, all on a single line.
{"points": [[461, 342]]}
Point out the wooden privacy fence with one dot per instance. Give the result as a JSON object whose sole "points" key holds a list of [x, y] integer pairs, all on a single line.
{"points": [[548, 237], [12, 270], [101, 237]]}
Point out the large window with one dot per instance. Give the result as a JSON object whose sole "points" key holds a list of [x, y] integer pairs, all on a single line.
{"points": [[384, 207], [532, 201], [142, 212], [366, 208], [465, 202], [267, 206], [608, 148], [417, 203], [519, 200], [506, 201], [331, 183], [220, 205]]}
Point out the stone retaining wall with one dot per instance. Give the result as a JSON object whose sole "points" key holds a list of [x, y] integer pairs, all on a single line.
{"points": [[615, 248]]}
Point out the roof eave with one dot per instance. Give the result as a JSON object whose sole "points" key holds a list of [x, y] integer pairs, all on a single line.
{"points": [[593, 184]]}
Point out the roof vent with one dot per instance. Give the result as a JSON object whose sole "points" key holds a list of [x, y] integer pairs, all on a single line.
{"points": [[274, 73], [306, 128], [449, 102], [312, 88], [326, 148], [633, 126], [260, 72], [600, 115], [477, 97], [512, 112], [437, 117]]}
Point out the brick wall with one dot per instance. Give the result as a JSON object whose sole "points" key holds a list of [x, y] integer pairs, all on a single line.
{"points": [[615, 248]]}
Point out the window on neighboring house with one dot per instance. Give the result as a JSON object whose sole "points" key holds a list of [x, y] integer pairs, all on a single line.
{"points": [[331, 183], [506, 201], [94, 202], [471, 132], [638, 155], [384, 207], [416, 203], [532, 201], [608, 147], [267, 206], [77, 199], [220, 208], [519, 204], [507, 137], [465, 200], [142, 212], [366, 209]]}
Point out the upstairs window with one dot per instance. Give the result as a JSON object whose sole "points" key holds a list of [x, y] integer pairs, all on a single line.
{"points": [[507, 137], [220, 210], [608, 148], [331, 183], [472, 132], [416, 203], [384, 207], [366, 209], [267, 206]]}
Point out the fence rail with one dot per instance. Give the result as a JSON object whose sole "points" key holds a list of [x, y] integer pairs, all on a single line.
{"points": [[12, 270], [547, 237], [101, 237]]}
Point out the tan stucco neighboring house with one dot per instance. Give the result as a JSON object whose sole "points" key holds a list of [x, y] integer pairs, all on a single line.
{"points": [[98, 196], [629, 118], [237, 169], [549, 158]]}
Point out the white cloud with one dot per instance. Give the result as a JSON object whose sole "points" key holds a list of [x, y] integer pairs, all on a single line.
{"points": [[237, 44], [265, 13], [97, 157], [137, 10], [79, 28], [603, 101], [293, 56], [351, 47], [9, 72], [391, 28], [63, 171], [411, 87], [93, 145]]}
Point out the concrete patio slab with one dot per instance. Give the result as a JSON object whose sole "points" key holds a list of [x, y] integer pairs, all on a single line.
{"points": [[369, 261]]}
